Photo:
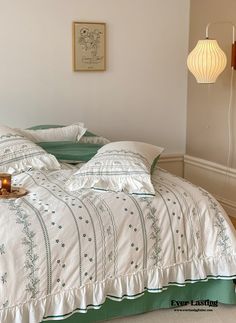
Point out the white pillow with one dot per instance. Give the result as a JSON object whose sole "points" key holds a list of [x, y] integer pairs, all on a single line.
{"points": [[69, 133], [118, 166], [18, 154]]}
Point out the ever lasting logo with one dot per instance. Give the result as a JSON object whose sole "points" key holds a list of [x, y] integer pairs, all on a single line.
{"points": [[200, 303], [89, 41]]}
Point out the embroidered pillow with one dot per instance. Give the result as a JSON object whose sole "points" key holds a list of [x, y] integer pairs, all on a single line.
{"points": [[70, 133], [91, 138], [119, 166], [18, 154]]}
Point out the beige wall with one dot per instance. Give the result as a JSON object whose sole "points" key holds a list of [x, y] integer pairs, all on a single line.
{"points": [[207, 131], [142, 96]]}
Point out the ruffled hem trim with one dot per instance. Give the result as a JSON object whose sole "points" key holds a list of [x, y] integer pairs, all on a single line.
{"points": [[93, 295], [138, 185], [41, 161]]}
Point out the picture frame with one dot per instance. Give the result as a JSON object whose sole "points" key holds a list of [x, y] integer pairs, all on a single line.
{"points": [[89, 46]]}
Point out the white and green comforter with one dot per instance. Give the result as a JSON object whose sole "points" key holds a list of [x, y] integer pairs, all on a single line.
{"points": [[63, 252]]}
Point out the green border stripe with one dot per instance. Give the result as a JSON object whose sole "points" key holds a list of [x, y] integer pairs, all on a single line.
{"points": [[116, 298]]}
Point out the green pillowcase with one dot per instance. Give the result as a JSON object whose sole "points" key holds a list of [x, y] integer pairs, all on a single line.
{"points": [[48, 126], [70, 152]]}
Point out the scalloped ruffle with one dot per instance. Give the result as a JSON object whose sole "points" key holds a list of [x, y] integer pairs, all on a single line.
{"points": [[93, 295], [42, 161]]}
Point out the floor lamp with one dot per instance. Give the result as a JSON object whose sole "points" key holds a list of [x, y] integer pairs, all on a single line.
{"points": [[206, 62]]}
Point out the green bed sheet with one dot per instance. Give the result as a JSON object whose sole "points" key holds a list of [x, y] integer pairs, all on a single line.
{"points": [[222, 291]]}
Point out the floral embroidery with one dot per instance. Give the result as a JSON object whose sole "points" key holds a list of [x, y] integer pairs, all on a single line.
{"points": [[110, 256], [109, 230], [194, 214], [198, 235], [155, 234], [2, 249], [94, 140], [31, 256], [223, 240], [4, 278]]}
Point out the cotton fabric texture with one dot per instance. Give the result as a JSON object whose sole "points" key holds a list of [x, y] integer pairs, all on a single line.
{"points": [[87, 138], [119, 166], [62, 252], [18, 154], [70, 133]]}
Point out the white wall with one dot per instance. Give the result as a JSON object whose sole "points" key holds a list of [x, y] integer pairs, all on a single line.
{"points": [[207, 125], [207, 113], [142, 95]]}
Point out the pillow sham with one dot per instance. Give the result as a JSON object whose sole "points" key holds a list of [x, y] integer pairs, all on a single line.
{"points": [[18, 154], [69, 133], [118, 166], [87, 138]]}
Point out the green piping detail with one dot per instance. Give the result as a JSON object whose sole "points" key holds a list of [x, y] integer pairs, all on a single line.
{"points": [[154, 164], [138, 295]]}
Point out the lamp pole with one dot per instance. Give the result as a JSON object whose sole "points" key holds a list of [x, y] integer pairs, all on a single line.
{"points": [[233, 56]]}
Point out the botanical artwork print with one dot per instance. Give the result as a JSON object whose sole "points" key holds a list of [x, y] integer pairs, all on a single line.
{"points": [[63, 252], [89, 46], [89, 41]]}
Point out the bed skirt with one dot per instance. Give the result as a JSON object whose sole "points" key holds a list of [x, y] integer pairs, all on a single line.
{"points": [[222, 291]]}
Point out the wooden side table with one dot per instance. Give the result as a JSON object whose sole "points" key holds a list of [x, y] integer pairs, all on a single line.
{"points": [[233, 221]]}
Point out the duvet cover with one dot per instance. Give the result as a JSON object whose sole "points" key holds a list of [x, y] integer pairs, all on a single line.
{"points": [[63, 252]]}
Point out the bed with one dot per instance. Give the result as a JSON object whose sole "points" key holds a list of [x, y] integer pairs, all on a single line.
{"points": [[64, 255]]}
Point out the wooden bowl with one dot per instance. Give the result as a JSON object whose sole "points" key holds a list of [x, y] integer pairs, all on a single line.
{"points": [[16, 192]]}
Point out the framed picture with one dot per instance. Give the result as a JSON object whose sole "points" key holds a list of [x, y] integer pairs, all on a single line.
{"points": [[89, 46]]}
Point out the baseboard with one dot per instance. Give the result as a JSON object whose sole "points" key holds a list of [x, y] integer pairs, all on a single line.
{"points": [[215, 178], [211, 166], [228, 205], [173, 163]]}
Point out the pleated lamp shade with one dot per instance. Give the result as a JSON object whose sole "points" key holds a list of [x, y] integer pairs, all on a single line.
{"points": [[206, 61]]}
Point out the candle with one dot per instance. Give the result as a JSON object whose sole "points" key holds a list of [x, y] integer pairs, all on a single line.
{"points": [[5, 182]]}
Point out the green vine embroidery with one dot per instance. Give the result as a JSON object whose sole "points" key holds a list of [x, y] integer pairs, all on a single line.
{"points": [[4, 278], [2, 249], [155, 234], [31, 256], [223, 240], [122, 152]]}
